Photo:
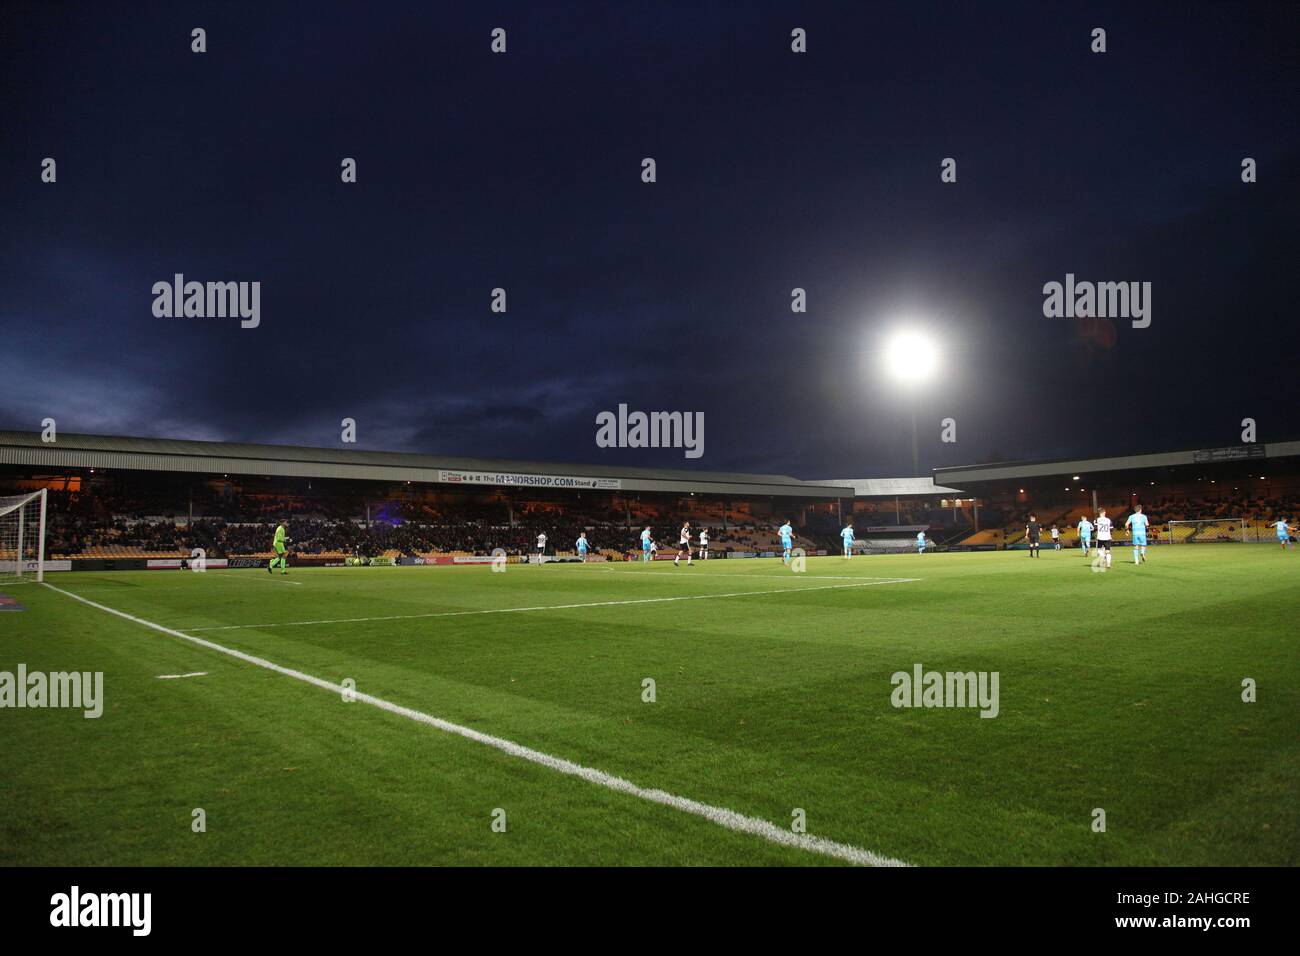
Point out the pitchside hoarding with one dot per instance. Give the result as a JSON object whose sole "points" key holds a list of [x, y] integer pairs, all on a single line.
{"points": [[29, 567]]}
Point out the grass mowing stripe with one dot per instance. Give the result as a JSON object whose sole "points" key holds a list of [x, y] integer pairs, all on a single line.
{"points": [[550, 607], [721, 816]]}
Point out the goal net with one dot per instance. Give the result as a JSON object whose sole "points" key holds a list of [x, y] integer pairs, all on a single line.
{"points": [[22, 538], [1207, 530]]}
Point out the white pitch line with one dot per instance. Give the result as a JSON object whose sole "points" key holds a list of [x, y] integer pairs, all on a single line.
{"points": [[208, 576], [548, 607], [746, 576], [179, 676], [739, 822]]}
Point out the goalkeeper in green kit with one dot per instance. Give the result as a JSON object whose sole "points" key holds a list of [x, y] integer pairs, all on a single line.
{"points": [[281, 555]]}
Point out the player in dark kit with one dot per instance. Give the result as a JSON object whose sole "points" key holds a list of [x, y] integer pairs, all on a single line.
{"points": [[1032, 531]]}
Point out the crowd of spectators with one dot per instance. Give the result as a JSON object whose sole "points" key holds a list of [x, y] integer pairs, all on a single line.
{"points": [[76, 534], [226, 522], [1226, 504]]}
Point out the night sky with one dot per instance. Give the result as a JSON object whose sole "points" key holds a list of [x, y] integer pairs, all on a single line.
{"points": [[775, 170]]}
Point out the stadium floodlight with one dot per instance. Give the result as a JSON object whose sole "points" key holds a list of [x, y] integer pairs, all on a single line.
{"points": [[911, 358]]}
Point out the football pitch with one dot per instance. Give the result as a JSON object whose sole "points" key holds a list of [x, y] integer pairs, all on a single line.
{"points": [[729, 713]]}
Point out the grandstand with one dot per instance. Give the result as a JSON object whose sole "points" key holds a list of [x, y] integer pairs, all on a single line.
{"points": [[124, 502], [127, 501], [1256, 484]]}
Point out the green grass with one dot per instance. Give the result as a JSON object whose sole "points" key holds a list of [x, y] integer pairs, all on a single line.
{"points": [[1119, 690]]}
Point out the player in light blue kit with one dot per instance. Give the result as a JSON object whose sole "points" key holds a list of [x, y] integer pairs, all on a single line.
{"points": [[1085, 535], [848, 537], [920, 542], [787, 540], [1137, 524], [1284, 534], [582, 546], [645, 544]]}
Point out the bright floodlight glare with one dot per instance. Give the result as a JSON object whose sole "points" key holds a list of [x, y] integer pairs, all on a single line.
{"points": [[911, 357]]}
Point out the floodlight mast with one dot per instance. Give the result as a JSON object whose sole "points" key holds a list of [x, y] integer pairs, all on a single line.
{"points": [[911, 358], [916, 468]]}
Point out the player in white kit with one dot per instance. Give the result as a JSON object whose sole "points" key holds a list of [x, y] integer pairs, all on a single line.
{"points": [[1103, 537], [684, 546]]}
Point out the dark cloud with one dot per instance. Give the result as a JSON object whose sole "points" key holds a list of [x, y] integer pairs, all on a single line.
{"points": [[775, 171]]}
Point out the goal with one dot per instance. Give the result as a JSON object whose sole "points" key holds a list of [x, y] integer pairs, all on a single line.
{"points": [[22, 538], [1207, 530]]}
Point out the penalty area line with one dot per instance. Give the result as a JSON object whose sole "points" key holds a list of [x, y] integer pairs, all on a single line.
{"points": [[747, 576], [551, 607], [730, 819]]}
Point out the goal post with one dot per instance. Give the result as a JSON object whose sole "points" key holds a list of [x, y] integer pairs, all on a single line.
{"points": [[22, 538], [1207, 530]]}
